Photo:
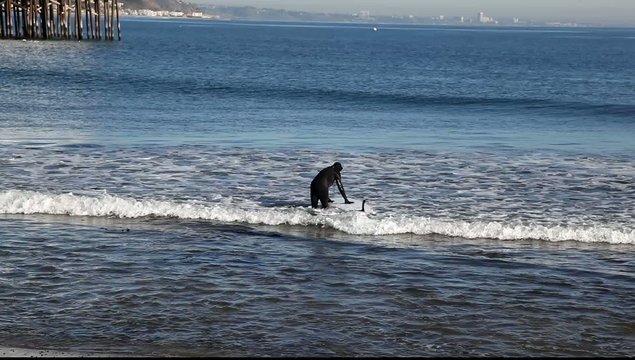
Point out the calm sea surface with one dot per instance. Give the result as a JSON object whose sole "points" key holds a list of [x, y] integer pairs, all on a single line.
{"points": [[154, 192]]}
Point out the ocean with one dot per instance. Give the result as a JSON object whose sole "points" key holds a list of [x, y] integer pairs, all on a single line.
{"points": [[154, 192]]}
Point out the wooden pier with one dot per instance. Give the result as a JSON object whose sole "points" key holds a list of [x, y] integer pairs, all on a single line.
{"points": [[60, 19]]}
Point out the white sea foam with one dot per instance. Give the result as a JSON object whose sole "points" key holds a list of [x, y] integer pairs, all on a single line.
{"points": [[357, 223]]}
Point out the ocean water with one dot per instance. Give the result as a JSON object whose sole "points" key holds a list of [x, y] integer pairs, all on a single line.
{"points": [[154, 192]]}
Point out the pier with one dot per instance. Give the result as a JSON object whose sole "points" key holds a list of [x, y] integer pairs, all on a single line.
{"points": [[60, 19]]}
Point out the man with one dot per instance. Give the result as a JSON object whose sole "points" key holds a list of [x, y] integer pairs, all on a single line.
{"points": [[321, 183]]}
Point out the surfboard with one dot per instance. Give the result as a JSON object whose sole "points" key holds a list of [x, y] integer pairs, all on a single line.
{"points": [[338, 206], [355, 206]]}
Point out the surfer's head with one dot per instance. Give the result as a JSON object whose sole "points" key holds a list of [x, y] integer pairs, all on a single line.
{"points": [[337, 166]]}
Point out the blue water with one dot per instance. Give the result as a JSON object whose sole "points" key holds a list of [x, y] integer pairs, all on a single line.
{"points": [[154, 191]]}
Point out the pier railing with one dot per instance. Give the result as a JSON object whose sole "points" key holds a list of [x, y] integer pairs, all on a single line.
{"points": [[60, 19]]}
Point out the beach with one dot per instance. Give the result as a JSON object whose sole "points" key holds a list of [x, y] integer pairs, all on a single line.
{"points": [[8, 352]]}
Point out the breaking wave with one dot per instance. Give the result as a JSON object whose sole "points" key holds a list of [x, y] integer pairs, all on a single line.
{"points": [[356, 222]]}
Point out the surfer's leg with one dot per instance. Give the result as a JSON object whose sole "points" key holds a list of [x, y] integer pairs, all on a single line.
{"points": [[314, 199], [324, 198]]}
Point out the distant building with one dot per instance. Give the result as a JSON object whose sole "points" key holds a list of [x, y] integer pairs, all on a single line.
{"points": [[484, 19], [481, 18], [147, 12]]}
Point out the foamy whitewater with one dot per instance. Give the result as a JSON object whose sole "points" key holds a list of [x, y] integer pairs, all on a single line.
{"points": [[471, 196], [154, 192], [357, 223]]}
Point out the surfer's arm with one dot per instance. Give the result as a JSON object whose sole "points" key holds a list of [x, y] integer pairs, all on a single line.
{"points": [[340, 187]]}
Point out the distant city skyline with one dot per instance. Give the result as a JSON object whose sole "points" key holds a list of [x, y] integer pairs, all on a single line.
{"points": [[608, 12]]}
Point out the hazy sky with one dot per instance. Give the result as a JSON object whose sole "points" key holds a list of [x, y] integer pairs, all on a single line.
{"points": [[604, 11]]}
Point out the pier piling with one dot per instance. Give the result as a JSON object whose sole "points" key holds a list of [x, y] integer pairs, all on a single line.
{"points": [[60, 19]]}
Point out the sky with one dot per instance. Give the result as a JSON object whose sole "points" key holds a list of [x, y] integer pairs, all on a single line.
{"points": [[598, 11]]}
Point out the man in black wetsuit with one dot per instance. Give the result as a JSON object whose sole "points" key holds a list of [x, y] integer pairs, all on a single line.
{"points": [[321, 183]]}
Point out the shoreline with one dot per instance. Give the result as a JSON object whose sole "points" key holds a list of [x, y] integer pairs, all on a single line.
{"points": [[6, 351]]}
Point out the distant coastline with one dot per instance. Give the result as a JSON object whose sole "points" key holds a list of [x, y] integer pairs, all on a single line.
{"points": [[179, 9], [163, 15]]}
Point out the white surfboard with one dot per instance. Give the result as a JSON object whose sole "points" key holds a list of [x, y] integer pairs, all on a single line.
{"points": [[355, 206]]}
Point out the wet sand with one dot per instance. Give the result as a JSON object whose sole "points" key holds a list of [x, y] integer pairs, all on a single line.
{"points": [[21, 352]]}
